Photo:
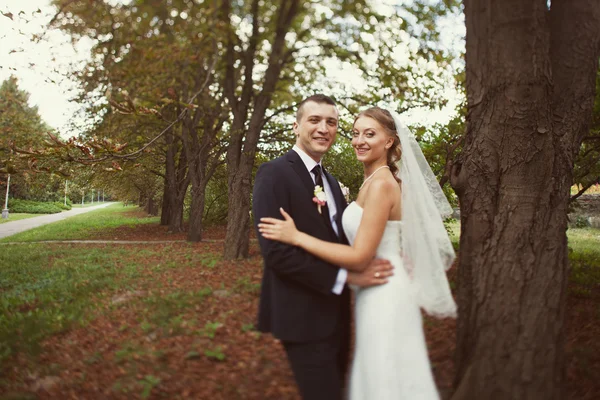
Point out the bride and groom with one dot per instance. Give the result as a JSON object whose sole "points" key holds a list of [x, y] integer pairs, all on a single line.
{"points": [[389, 245]]}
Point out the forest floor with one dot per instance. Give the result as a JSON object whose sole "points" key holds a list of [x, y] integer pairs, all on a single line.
{"points": [[175, 321]]}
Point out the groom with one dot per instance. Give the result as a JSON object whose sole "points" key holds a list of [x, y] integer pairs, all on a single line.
{"points": [[304, 301]]}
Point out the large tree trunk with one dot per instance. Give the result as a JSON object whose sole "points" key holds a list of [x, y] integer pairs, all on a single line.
{"points": [[513, 179]]}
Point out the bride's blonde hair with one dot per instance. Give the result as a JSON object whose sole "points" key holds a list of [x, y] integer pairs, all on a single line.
{"points": [[386, 120]]}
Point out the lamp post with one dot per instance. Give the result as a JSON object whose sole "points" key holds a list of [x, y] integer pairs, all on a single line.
{"points": [[66, 187], [92, 196], [5, 210]]}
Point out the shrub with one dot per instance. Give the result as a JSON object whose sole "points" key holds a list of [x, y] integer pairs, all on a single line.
{"points": [[36, 207]]}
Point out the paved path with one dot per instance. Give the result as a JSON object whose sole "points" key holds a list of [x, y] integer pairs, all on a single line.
{"points": [[11, 228]]}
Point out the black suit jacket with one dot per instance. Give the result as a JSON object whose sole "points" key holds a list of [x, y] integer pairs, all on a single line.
{"points": [[296, 302]]}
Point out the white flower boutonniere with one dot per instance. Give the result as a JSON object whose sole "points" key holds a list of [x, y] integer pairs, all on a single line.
{"points": [[320, 197], [345, 191]]}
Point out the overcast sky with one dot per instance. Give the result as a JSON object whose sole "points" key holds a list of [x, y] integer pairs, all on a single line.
{"points": [[40, 66], [37, 65]]}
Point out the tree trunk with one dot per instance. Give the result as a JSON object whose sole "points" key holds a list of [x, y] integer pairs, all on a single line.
{"points": [[237, 239], [243, 143], [177, 181], [150, 207], [165, 209], [196, 214], [513, 179]]}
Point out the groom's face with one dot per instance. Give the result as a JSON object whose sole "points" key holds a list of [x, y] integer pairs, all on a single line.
{"points": [[316, 129]]}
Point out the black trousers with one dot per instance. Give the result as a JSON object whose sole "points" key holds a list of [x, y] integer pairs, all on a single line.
{"points": [[320, 367]]}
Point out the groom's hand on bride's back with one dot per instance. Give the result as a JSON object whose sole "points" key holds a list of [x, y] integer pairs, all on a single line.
{"points": [[377, 273]]}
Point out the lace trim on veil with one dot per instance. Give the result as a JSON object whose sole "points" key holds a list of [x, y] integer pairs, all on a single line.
{"points": [[425, 243]]}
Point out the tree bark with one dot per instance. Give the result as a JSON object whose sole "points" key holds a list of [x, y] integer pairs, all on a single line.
{"points": [[165, 208], [513, 180], [196, 214]]}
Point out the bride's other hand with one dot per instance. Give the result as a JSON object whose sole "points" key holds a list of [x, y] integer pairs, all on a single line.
{"points": [[282, 231], [377, 273]]}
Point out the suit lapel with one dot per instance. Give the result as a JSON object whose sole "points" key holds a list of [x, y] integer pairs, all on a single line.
{"points": [[300, 169]]}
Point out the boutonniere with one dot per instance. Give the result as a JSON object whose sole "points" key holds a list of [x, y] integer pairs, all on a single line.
{"points": [[345, 191], [320, 197]]}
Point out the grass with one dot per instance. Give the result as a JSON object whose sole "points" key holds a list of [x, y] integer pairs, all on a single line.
{"points": [[453, 228], [46, 290], [584, 254], [86, 205], [17, 216], [82, 226]]}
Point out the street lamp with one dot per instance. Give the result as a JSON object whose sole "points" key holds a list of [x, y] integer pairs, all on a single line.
{"points": [[66, 188], [5, 210]]}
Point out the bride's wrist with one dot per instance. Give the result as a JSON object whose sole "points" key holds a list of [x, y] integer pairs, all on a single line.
{"points": [[297, 239]]}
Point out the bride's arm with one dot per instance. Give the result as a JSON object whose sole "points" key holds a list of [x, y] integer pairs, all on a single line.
{"points": [[379, 200]]}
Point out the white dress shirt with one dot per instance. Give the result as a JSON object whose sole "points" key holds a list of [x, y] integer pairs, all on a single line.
{"points": [[309, 163]]}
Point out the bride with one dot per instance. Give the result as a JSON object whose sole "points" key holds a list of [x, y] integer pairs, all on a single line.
{"points": [[397, 216]]}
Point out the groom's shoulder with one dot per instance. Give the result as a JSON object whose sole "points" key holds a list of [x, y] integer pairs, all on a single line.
{"points": [[276, 162]]}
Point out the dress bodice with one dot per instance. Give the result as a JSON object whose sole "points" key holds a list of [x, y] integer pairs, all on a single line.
{"points": [[390, 358], [389, 246]]}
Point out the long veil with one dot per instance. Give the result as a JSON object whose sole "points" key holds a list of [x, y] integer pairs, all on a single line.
{"points": [[426, 247]]}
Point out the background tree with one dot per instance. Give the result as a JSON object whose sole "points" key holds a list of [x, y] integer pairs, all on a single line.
{"points": [[531, 67], [21, 127]]}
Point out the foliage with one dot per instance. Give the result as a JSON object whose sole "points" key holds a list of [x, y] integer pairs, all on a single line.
{"points": [[586, 171], [20, 126], [37, 207], [22, 131], [341, 162]]}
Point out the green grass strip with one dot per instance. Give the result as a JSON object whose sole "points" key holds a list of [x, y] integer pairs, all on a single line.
{"points": [[82, 226], [45, 290], [17, 216]]}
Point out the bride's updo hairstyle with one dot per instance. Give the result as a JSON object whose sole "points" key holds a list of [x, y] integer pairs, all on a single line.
{"points": [[386, 120]]}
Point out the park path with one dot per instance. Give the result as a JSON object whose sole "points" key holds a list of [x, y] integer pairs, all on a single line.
{"points": [[14, 227]]}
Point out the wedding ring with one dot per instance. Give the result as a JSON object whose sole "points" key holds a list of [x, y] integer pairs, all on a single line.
{"points": [[377, 274]]}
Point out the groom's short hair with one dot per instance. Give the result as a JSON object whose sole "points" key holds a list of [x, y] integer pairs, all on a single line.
{"points": [[317, 98]]}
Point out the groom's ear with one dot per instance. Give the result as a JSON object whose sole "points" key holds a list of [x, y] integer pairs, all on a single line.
{"points": [[295, 128]]}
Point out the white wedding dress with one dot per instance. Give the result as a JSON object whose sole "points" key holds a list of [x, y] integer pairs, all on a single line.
{"points": [[390, 357]]}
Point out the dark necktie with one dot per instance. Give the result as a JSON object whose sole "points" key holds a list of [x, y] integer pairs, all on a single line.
{"points": [[319, 182]]}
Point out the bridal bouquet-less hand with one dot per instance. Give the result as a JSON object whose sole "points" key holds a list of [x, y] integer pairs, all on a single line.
{"points": [[320, 198]]}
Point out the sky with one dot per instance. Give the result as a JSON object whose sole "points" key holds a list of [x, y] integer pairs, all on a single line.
{"points": [[37, 65]]}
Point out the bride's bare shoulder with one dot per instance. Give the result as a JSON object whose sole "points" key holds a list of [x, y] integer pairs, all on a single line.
{"points": [[384, 184]]}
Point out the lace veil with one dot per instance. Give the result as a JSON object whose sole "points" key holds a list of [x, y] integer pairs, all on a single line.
{"points": [[426, 247]]}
